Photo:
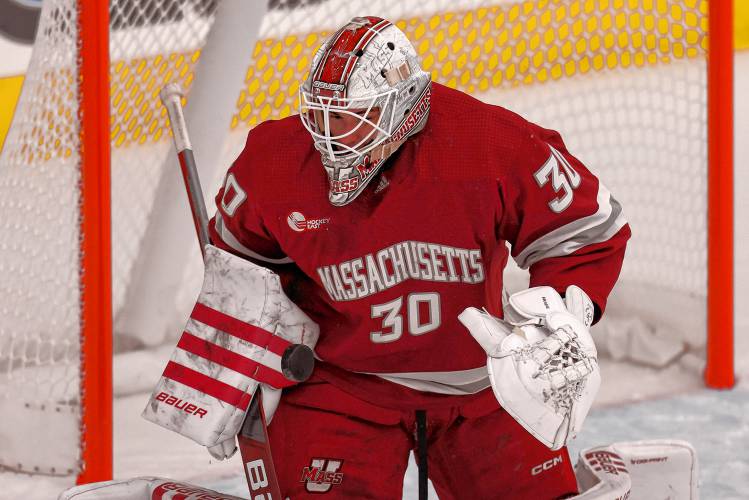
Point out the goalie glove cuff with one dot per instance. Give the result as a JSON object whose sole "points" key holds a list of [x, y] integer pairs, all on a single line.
{"points": [[532, 305], [579, 304], [529, 306]]}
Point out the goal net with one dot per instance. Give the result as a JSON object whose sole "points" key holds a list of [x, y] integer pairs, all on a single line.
{"points": [[624, 81]]}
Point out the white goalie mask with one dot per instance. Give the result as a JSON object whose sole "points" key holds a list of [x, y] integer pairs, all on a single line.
{"points": [[364, 96]]}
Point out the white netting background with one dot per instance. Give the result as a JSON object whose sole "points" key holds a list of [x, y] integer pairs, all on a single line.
{"points": [[644, 132], [39, 199], [153, 43], [39, 318]]}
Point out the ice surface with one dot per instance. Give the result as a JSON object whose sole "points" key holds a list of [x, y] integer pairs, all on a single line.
{"points": [[715, 422]]}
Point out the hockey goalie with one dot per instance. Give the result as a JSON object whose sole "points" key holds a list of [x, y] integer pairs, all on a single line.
{"points": [[374, 227]]}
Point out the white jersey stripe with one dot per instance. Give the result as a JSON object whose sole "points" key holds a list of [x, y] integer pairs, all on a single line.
{"points": [[229, 238], [455, 382], [565, 240]]}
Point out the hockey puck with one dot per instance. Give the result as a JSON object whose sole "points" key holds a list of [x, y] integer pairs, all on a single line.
{"points": [[297, 362]]}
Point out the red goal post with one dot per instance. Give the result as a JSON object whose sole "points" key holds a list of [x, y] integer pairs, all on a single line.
{"points": [[719, 367], [96, 248]]}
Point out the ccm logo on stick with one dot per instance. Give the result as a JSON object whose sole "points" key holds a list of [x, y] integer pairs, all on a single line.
{"points": [[181, 404]]}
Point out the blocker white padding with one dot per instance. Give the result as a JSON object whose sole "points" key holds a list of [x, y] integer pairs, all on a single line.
{"points": [[235, 337]]}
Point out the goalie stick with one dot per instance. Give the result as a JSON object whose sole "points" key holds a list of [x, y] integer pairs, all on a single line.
{"points": [[171, 96], [297, 361]]}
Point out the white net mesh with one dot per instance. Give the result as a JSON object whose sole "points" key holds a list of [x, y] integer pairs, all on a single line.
{"points": [[39, 322], [622, 80], [152, 43]]}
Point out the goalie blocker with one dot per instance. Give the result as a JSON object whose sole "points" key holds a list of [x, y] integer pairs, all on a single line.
{"points": [[237, 338]]}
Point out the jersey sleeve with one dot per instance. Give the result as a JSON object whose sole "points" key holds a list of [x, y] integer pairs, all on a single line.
{"points": [[562, 222], [237, 226]]}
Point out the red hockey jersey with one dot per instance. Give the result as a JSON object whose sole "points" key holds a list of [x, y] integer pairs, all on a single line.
{"points": [[386, 276]]}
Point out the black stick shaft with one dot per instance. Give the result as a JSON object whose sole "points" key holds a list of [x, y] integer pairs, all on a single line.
{"points": [[421, 449]]}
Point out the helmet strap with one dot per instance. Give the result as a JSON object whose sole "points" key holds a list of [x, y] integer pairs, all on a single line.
{"points": [[396, 75], [383, 151]]}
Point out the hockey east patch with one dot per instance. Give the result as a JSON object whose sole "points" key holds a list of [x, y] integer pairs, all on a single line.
{"points": [[322, 474]]}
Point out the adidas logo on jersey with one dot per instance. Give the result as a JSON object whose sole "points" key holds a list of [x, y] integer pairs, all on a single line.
{"points": [[299, 223]]}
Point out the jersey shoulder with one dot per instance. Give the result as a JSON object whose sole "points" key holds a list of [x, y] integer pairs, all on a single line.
{"points": [[277, 140], [274, 156], [457, 109], [488, 138]]}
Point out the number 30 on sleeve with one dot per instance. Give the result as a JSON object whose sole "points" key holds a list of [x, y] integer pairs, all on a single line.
{"points": [[234, 195]]}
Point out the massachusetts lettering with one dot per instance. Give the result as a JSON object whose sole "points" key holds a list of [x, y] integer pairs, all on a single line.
{"points": [[417, 260]]}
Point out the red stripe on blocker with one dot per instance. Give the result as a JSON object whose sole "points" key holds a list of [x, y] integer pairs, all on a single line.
{"points": [[208, 385], [230, 359], [238, 328]]}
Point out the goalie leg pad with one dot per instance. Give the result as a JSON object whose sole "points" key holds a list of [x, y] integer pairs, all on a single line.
{"points": [[140, 488], [658, 468]]}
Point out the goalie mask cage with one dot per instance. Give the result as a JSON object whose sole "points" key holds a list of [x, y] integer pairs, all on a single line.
{"points": [[633, 86]]}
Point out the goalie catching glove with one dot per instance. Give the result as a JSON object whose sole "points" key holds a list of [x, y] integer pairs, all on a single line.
{"points": [[233, 342], [542, 360]]}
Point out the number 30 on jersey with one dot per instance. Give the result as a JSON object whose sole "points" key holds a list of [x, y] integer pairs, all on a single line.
{"points": [[395, 316]]}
